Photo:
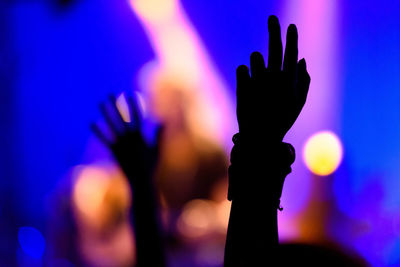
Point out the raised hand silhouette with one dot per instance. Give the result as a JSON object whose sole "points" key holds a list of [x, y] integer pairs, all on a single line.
{"points": [[138, 160], [268, 103], [270, 100], [136, 157]]}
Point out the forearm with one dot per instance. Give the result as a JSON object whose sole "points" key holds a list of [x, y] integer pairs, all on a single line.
{"points": [[149, 241], [255, 187], [145, 217], [252, 233], [137, 159]]}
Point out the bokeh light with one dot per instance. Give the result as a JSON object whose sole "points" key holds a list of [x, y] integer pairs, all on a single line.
{"points": [[197, 218], [31, 241], [323, 153], [89, 190], [101, 200], [100, 194]]}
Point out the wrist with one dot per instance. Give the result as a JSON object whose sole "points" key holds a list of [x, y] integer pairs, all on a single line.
{"points": [[261, 140], [259, 171]]}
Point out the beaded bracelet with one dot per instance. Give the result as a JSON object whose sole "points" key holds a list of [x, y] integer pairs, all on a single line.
{"points": [[285, 156]]}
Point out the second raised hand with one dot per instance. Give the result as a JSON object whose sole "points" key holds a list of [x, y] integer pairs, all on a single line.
{"points": [[135, 156]]}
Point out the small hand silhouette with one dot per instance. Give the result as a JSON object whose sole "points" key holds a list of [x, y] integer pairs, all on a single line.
{"points": [[136, 157], [272, 98]]}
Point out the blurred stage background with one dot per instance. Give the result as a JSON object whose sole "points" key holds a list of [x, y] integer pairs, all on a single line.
{"points": [[63, 202]]}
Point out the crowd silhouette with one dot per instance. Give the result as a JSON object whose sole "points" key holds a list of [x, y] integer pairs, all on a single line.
{"points": [[269, 100]]}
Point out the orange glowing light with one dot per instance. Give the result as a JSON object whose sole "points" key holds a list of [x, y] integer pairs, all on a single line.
{"points": [[323, 153], [100, 194], [222, 215], [89, 190]]}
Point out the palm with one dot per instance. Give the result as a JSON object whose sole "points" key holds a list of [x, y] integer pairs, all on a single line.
{"points": [[136, 157]]}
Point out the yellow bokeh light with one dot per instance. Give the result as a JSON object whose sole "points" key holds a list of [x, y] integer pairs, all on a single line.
{"points": [[323, 153], [155, 9]]}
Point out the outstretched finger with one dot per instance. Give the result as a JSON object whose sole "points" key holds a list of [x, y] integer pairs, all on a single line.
{"points": [[99, 133], [242, 93], [257, 65], [275, 44], [303, 82], [134, 111], [291, 53], [120, 123], [114, 128], [242, 90]]}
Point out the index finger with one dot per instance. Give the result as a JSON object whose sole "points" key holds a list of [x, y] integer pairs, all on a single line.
{"points": [[275, 44]]}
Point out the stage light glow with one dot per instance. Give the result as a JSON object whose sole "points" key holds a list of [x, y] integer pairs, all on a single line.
{"points": [[323, 153], [154, 9], [181, 57], [31, 241]]}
